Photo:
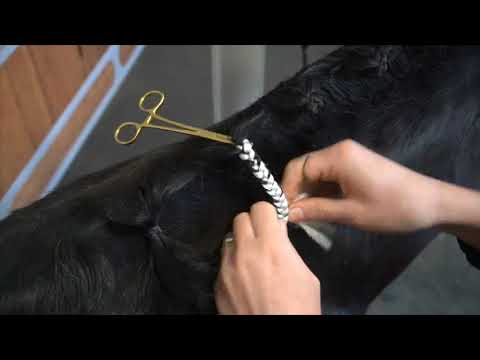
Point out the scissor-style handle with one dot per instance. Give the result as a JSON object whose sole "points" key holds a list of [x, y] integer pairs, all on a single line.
{"points": [[138, 128], [152, 110], [178, 127]]}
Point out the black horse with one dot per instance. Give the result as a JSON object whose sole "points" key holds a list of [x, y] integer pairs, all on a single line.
{"points": [[145, 236]]}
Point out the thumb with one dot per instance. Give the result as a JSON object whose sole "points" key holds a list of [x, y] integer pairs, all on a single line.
{"points": [[322, 209]]}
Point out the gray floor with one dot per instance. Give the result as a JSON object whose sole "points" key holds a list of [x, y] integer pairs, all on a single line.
{"points": [[439, 281]]}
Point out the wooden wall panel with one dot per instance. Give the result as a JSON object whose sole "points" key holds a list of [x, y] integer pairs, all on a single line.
{"points": [[29, 95], [58, 150], [61, 73], [125, 52], [16, 146], [90, 55], [37, 82]]}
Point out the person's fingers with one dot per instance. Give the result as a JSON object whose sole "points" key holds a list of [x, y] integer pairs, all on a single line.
{"points": [[303, 174], [227, 249], [326, 189], [264, 220], [242, 230], [292, 180], [322, 209], [222, 296]]}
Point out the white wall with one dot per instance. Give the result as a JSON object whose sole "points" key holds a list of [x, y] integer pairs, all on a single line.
{"points": [[238, 77]]}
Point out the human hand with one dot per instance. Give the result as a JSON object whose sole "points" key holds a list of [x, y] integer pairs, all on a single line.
{"points": [[261, 272], [353, 185]]}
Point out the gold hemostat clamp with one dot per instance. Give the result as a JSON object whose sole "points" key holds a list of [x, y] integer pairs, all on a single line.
{"points": [[153, 114]]}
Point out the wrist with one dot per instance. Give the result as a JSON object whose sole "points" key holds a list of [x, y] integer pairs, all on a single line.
{"points": [[442, 207], [456, 207], [430, 202], [439, 204]]}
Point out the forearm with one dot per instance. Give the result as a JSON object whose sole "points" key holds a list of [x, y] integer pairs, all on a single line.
{"points": [[458, 212]]}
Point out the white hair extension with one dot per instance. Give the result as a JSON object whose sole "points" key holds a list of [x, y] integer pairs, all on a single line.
{"points": [[316, 231], [280, 202], [320, 238], [261, 172]]}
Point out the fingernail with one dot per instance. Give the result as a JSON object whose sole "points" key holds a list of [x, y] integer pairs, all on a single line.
{"points": [[301, 196], [295, 214]]}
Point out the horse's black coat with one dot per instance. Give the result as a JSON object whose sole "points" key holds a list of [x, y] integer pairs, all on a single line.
{"points": [[144, 236]]}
